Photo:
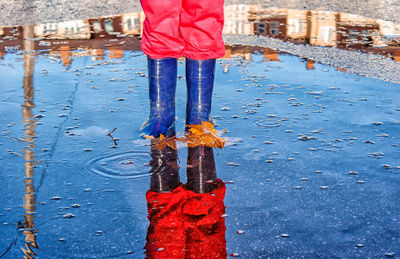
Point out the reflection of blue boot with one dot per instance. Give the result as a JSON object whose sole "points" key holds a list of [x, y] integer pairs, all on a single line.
{"points": [[162, 86], [200, 82]]}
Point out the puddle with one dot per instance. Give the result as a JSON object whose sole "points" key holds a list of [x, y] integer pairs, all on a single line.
{"points": [[306, 100]]}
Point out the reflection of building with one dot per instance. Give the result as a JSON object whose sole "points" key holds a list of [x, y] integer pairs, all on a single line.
{"points": [[246, 52], [237, 19], [116, 53], [270, 54], [77, 29], [97, 54], [321, 28], [65, 54], [310, 64], [103, 27], [356, 31], [106, 27], [12, 32], [272, 23], [388, 29], [132, 23], [296, 24], [396, 55]]}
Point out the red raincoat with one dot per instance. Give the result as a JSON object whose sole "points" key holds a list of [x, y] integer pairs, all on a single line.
{"points": [[189, 28]]}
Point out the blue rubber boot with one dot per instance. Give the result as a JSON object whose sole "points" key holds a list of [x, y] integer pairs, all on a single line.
{"points": [[162, 87], [200, 83]]}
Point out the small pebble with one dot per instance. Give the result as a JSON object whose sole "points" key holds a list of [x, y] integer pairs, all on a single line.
{"points": [[324, 187]]}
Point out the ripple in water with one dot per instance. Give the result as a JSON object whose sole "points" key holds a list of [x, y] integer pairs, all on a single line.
{"points": [[133, 164], [268, 123]]}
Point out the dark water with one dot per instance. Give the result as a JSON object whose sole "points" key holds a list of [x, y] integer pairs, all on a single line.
{"points": [[311, 165]]}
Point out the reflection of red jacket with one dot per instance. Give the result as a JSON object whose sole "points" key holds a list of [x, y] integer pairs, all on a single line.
{"points": [[185, 224]]}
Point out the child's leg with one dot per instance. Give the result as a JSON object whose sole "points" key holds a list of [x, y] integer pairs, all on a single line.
{"points": [[201, 24], [162, 44], [162, 87], [161, 36], [201, 27], [200, 83]]}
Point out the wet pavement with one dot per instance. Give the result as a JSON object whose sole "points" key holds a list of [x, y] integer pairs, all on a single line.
{"points": [[311, 163]]}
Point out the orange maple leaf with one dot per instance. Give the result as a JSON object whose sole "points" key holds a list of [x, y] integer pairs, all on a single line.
{"points": [[203, 134], [162, 142]]}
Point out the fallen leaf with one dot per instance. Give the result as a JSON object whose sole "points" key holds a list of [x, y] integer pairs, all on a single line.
{"points": [[162, 142], [203, 134]]}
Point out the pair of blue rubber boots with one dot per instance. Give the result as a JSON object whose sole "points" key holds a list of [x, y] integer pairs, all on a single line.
{"points": [[162, 88]]}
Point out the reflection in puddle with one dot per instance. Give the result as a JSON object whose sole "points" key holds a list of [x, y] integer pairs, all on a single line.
{"points": [[118, 32], [29, 227], [322, 28], [186, 221]]}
